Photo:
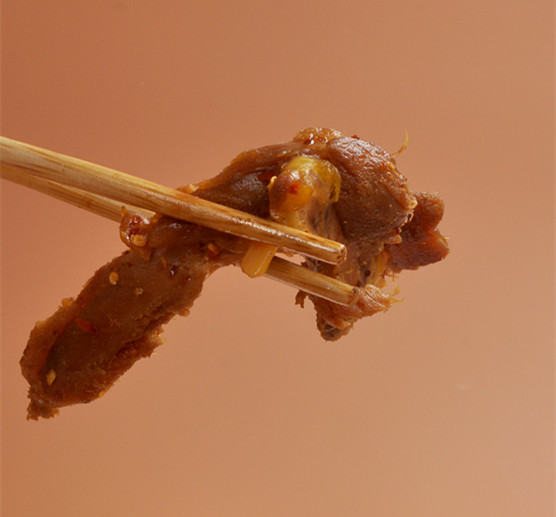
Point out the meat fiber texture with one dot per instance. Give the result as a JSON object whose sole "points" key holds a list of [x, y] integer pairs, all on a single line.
{"points": [[79, 352]]}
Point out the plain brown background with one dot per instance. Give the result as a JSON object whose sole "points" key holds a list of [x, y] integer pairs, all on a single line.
{"points": [[441, 407]]}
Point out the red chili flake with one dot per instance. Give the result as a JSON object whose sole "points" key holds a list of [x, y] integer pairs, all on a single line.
{"points": [[294, 188], [85, 326]]}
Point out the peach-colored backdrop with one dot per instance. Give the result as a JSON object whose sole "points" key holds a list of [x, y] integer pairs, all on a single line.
{"points": [[441, 407]]}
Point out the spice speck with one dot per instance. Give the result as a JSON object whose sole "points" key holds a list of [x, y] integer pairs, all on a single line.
{"points": [[50, 377]]}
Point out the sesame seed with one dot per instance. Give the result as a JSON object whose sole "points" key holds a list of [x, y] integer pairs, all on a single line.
{"points": [[50, 377], [138, 240]]}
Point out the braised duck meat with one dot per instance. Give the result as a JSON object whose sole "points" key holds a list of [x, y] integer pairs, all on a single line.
{"points": [[342, 188]]}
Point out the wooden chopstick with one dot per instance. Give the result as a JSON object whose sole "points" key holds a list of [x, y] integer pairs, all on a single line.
{"points": [[99, 205], [128, 189], [280, 269]]}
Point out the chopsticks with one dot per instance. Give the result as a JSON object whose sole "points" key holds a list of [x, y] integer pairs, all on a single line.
{"points": [[129, 189], [104, 191]]}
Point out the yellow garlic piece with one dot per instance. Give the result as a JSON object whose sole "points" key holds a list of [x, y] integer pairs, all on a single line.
{"points": [[256, 260]]}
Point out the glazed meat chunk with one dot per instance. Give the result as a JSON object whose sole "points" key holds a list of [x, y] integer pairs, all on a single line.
{"points": [[338, 187]]}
